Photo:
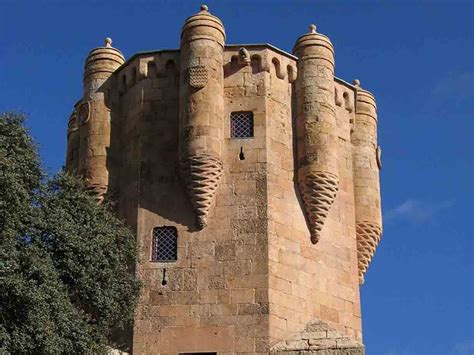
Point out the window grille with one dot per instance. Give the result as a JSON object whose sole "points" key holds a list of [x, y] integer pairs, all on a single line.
{"points": [[164, 245], [241, 124]]}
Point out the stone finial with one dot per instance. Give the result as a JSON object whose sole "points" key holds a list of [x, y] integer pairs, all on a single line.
{"points": [[312, 28], [108, 42], [356, 82], [204, 8], [244, 56]]}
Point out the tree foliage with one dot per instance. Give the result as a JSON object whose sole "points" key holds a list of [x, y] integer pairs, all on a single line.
{"points": [[66, 263]]}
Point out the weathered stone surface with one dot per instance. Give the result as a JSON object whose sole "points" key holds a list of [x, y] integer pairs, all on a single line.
{"points": [[155, 135], [323, 341], [316, 128]]}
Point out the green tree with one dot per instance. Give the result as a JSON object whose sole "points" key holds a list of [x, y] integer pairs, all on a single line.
{"points": [[66, 263]]}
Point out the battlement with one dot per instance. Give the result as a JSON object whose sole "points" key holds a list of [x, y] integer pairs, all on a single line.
{"points": [[161, 63], [251, 178]]}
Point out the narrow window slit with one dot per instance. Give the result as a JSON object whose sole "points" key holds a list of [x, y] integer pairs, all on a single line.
{"points": [[164, 282], [241, 154]]}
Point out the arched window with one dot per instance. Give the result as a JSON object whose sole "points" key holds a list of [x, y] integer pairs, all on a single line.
{"points": [[164, 244]]}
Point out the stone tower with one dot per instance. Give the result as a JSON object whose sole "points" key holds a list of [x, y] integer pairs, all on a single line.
{"points": [[251, 178]]}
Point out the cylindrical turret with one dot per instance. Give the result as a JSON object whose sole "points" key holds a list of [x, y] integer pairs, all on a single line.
{"points": [[202, 109], [317, 142], [94, 117], [72, 153], [366, 164]]}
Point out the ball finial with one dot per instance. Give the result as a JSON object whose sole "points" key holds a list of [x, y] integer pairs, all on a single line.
{"points": [[312, 28], [356, 82], [108, 42], [204, 8]]}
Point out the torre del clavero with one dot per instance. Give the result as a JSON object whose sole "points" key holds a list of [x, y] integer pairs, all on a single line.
{"points": [[251, 179]]}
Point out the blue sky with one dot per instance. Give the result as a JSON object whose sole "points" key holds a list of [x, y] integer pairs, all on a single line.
{"points": [[418, 59]]}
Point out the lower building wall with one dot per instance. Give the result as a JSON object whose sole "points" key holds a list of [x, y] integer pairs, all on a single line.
{"points": [[216, 293], [309, 282], [251, 281]]}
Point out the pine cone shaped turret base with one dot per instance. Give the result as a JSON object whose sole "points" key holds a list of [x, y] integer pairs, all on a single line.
{"points": [[319, 192], [201, 174], [368, 237]]}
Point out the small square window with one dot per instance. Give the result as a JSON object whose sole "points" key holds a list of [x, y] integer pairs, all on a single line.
{"points": [[164, 244], [241, 124]]}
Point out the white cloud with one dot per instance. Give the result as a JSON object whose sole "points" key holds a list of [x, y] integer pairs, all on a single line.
{"points": [[464, 348], [416, 211], [459, 85], [452, 90]]}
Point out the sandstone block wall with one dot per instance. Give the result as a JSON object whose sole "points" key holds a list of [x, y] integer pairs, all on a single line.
{"points": [[310, 282], [253, 273]]}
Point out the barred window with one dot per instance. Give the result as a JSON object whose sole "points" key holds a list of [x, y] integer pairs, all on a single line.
{"points": [[241, 124], [164, 244]]}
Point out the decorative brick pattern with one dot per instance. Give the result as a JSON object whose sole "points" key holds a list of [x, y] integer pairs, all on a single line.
{"points": [[319, 192], [368, 237], [198, 76], [99, 191], [201, 174]]}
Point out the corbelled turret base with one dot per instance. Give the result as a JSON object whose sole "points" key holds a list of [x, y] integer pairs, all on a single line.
{"points": [[319, 191], [201, 175]]}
